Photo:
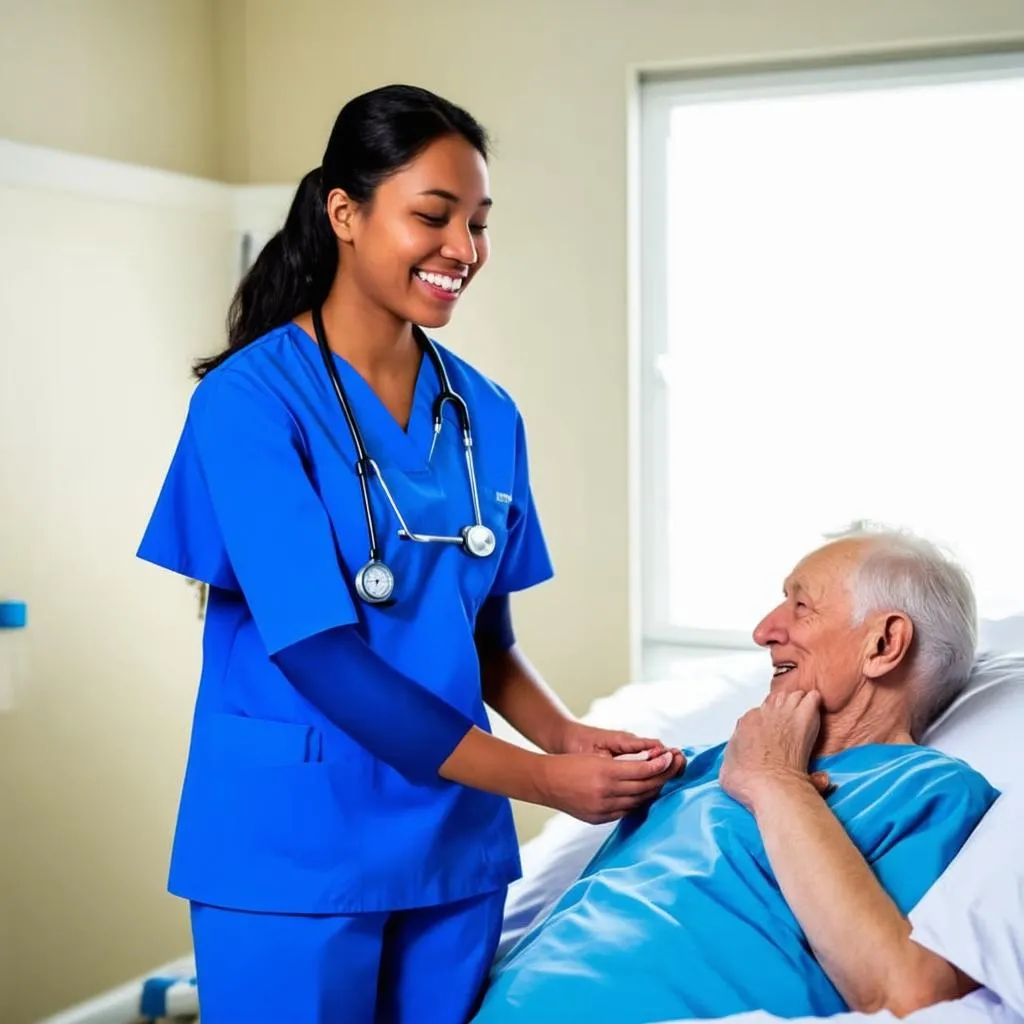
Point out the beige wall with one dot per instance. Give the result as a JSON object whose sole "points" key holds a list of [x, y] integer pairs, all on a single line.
{"points": [[93, 376], [95, 350], [549, 317], [95, 334], [131, 80]]}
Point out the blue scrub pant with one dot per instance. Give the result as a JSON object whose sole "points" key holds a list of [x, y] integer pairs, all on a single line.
{"points": [[426, 966]]}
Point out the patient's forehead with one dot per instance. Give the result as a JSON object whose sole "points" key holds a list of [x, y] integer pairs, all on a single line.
{"points": [[824, 574]]}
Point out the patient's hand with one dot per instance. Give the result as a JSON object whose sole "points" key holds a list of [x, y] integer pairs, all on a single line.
{"points": [[578, 738], [772, 742], [597, 788]]}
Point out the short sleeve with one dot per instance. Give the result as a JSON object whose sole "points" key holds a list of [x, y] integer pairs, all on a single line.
{"points": [[182, 534], [935, 822], [240, 486], [525, 561]]}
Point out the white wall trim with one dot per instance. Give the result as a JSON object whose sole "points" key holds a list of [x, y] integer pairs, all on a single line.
{"points": [[51, 170], [857, 76], [23, 165], [254, 212]]}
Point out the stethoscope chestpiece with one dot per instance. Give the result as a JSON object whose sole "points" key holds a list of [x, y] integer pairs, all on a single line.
{"points": [[375, 582], [478, 540]]}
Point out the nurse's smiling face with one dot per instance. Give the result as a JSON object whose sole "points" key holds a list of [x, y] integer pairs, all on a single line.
{"points": [[812, 637], [415, 246]]}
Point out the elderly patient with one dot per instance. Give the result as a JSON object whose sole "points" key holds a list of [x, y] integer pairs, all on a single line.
{"points": [[777, 870]]}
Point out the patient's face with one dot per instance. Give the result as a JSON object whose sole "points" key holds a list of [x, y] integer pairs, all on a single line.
{"points": [[813, 642]]}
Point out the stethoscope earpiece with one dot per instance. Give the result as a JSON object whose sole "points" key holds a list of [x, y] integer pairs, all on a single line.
{"points": [[375, 582]]}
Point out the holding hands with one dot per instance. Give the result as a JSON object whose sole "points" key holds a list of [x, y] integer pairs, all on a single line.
{"points": [[600, 775]]}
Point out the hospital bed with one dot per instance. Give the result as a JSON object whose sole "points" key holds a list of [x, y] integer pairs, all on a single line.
{"points": [[975, 917]]}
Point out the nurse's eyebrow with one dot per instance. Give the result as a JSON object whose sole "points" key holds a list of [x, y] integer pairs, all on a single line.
{"points": [[452, 197]]}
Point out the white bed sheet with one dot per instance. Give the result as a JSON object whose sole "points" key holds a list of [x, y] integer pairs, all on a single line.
{"points": [[980, 1007]]}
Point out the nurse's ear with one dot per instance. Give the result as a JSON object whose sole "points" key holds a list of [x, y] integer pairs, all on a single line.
{"points": [[341, 210]]}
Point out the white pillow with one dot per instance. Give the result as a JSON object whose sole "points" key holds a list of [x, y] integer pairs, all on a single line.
{"points": [[985, 725], [973, 916], [1001, 634]]}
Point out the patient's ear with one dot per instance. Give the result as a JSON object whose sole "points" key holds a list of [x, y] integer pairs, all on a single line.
{"points": [[889, 643]]}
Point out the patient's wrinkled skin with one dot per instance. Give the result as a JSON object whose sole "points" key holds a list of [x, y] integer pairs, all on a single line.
{"points": [[816, 646], [773, 742]]}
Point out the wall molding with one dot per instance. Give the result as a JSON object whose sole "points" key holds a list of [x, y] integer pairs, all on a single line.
{"points": [[254, 212], [51, 170]]}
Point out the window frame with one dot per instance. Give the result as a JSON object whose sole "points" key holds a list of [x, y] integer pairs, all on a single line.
{"points": [[658, 96]]}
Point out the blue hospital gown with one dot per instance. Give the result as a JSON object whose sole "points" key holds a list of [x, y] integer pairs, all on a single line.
{"points": [[679, 914]]}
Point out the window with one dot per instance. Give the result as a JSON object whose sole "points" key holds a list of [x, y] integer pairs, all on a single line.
{"points": [[832, 322]]}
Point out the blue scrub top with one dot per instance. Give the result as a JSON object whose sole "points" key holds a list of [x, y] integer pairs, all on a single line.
{"points": [[280, 810], [679, 914]]}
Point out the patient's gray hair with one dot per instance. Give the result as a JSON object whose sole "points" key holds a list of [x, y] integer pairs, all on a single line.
{"points": [[906, 573]]}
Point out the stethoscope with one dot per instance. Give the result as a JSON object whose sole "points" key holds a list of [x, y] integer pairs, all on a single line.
{"points": [[375, 582]]}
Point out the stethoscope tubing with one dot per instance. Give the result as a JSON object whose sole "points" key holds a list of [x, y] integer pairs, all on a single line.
{"points": [[367, 467]]}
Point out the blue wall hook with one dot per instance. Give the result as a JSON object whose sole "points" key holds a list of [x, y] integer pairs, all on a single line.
{"points": [[13, 614]]}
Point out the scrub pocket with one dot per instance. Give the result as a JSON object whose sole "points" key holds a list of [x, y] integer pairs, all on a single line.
{"points": [[260, 741], [270, 820]]}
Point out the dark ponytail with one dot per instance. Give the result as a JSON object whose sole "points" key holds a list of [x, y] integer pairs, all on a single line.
{"points": [[293, 271], [374, 136]]}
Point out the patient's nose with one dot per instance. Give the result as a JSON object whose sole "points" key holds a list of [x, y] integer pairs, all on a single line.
{"points": [[771, 629]]}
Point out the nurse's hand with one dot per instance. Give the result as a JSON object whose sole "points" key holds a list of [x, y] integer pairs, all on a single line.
{"points": [[597, 788], [579, 738]]}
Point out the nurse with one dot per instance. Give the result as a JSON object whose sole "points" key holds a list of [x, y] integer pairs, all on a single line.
{"points": [[344, 835]]}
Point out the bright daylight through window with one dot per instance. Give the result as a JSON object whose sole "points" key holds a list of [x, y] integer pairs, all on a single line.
{"points": [[832, 315]]}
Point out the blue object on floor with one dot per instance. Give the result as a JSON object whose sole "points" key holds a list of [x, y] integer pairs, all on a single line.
{"points": [[162, 997]]}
